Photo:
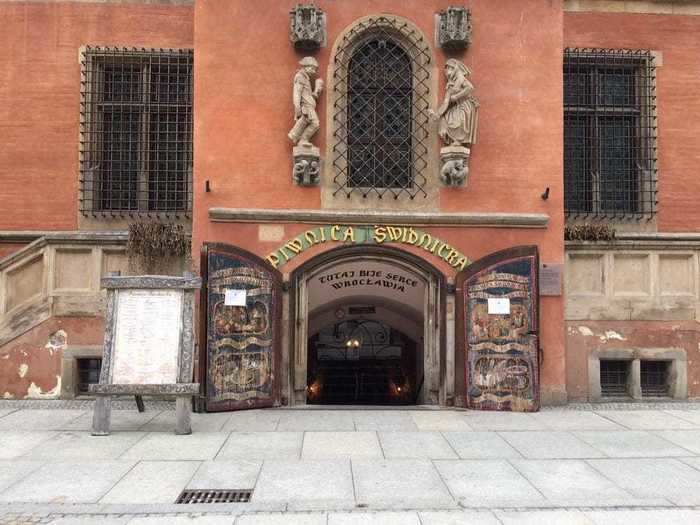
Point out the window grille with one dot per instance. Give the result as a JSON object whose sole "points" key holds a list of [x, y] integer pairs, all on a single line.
{"points": [[136, 132], [609, 134], [614, 376], [88, 373], [380, 110], [655, 378]]}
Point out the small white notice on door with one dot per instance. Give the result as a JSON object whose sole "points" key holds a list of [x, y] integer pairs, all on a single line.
{"points": [[500, 305], [234, 297]]}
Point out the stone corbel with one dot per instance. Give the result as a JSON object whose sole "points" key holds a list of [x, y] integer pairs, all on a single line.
{"points": [[307, 27], [453, 28]]}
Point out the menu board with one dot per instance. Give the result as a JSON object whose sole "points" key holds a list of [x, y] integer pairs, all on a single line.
{"points": [[147, 336]]}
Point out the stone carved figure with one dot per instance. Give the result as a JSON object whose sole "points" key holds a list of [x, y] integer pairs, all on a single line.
{"points": [[307, 28], [306, 171], [458, 113], [304, 97], [454, 172]]}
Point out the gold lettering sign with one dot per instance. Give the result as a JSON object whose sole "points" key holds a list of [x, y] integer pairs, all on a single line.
{"points": [[368, 235]]}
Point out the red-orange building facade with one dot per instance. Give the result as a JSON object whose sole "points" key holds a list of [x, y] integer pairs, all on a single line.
{"points": [[586, 319]]}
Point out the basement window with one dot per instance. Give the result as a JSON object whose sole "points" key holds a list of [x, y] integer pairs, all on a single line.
{"points": [[654, 378], [88, 374], [614, 376]]}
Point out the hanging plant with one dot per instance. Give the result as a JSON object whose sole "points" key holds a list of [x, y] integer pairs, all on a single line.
{"points": [[589, 232], [156, 247]]}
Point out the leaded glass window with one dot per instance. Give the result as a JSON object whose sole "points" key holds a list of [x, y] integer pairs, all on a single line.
{"points": [[380, 103]]}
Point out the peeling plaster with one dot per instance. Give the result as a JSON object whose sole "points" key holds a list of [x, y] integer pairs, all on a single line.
{"points": [[610, 334], [34, 392], [23, 369], [585, 331], [7, 395], [57, 341]]}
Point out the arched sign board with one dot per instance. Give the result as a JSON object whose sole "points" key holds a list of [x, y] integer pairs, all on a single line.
{"points": [[368, 235]]}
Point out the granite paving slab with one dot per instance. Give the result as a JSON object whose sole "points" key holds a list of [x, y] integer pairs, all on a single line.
{"points": [[252, 421], [162, 446], [646, 420], [305, 483], [515, 421], [544, 517], [152, 482], [92, 520], [688, 439], [6, 411], [14, 444], [183, 520], [568, 479], [552, 444], [121, 421], [440, 421], [298, 518], [373, 518], [165, 422], [83, 446], [386, 420], [644, 517], [321, 420], [480, 445], [40, 419], [692, 416], [458, 517], [262, 445], [486, 482], [574, 420], [339, 445], [631, 444], [14, 471], [399, 484], [653, 477], [416, 445], [67, 482], [693, 462], [241, 474]]}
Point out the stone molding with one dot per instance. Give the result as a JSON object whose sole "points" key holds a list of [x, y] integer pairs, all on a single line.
{"points": [[483, 220], [660, 7]]}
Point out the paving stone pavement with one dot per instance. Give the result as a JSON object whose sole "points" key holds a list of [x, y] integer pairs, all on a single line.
{"points": [[591, 464]]}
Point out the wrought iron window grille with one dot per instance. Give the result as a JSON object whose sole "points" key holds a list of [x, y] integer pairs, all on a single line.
{"points": [[381, 88], [609, 134], [136, 132]]}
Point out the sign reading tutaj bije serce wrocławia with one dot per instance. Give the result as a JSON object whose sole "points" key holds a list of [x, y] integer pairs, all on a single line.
{"points": [[368, 235]]}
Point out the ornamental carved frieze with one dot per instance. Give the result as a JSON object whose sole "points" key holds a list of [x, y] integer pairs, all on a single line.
{"points": [[307, 27], [454, 28]]}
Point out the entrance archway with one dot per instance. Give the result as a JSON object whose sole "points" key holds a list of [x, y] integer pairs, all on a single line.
{"points": [[368, 327]]}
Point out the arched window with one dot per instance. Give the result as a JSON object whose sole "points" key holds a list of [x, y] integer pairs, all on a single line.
{"points": [[380, 102]]}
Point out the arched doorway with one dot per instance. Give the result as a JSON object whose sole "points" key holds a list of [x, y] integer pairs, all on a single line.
{"points": [[368, 327]]}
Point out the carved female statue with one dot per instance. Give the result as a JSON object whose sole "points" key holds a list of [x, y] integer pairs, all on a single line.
{"points": [[458, 113]]}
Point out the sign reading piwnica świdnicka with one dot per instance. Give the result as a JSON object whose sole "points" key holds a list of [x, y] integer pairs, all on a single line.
{"points": [[368, 235]]}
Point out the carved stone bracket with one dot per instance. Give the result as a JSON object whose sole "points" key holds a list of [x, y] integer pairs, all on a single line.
{"points": [[307, 165], [455, 165], [307, 28], [453, 28]]}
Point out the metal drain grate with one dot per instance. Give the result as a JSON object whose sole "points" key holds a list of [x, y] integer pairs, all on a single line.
{"points": [[214, 496]]}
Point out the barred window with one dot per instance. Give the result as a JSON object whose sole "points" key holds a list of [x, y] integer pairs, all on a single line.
{"points": [[609, 134], [136, 132], [380, 103]]}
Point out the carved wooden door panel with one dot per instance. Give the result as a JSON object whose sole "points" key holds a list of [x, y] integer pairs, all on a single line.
{"points": [[243, 332], [498, 302]]}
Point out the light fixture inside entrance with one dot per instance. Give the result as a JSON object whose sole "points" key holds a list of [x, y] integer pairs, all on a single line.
{"points": [[353, 343]]}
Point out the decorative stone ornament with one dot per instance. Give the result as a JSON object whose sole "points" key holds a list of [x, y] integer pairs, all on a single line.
{"points": [[307, 157], [307, 28], [454, 28], [458, 117]]}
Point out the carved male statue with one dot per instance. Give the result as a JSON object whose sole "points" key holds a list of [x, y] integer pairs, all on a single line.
{"points": [[306, 120]]}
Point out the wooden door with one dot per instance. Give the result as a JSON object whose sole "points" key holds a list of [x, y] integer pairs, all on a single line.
{"points": [[241, 359], [498, 304]]}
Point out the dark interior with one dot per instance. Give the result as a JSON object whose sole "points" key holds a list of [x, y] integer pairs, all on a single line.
{"points": [[362, 362]]}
